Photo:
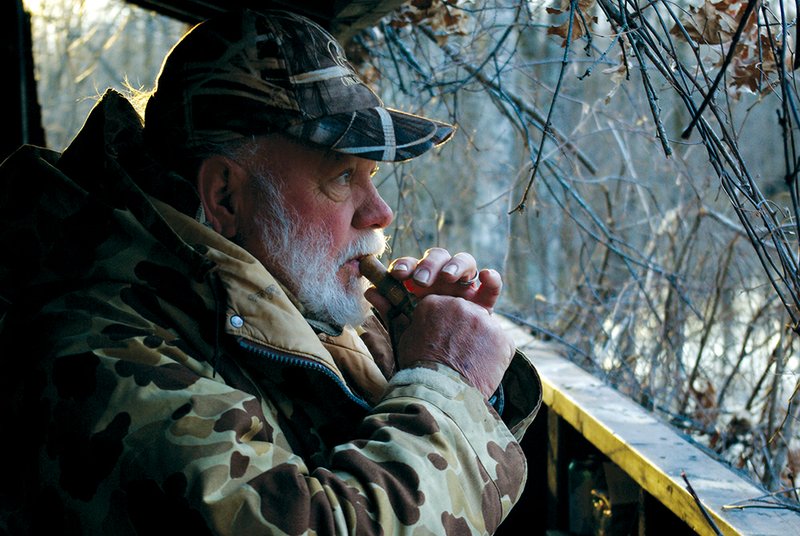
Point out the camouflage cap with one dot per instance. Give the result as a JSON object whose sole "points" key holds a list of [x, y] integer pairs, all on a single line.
{"points": [[256, 72]]}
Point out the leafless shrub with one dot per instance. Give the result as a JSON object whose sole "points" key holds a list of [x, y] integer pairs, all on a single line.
{"points": [[634, 174]]}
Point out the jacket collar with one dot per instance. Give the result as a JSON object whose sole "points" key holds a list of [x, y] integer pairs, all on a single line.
{"points": [[259, 310]]}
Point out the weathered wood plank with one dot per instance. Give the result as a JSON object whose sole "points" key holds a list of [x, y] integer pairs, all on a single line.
{"points": [[649, 450]]}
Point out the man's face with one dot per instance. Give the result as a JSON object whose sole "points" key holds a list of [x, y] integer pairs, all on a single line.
{"points": [[328, 214]]}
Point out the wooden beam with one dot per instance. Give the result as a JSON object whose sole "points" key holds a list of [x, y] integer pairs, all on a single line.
{"points": [[343, 19], [24, 120]]}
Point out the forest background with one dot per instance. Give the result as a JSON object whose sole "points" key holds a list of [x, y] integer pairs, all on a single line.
{"points": [[630, 168]]}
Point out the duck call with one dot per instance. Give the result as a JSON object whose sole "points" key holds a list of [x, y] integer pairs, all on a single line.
{"points": [[388, 287]]}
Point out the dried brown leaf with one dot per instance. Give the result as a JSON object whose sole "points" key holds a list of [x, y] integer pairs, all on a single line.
{"points": [[707, 25], [754, 67], [436, 14], [715, 23], [581, 25]]}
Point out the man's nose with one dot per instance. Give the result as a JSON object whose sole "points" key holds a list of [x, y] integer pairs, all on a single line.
{"points": [[372, 212]]}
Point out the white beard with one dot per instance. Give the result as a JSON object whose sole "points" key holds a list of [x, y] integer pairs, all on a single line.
{"points": [[301, 258]]}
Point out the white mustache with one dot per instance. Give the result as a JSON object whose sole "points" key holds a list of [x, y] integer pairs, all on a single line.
{"points": [[371, 242]]}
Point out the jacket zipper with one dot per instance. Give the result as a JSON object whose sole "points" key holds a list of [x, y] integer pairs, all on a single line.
{"points": [[288, 359]]}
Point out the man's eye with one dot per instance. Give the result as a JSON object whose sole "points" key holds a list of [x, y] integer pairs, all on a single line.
{"points": [[344, 179]]}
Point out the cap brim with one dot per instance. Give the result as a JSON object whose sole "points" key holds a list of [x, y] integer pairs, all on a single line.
{"points": [[379, 133]]}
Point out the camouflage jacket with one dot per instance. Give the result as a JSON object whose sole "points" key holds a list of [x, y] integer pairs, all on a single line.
{"points": [[157, 379]]}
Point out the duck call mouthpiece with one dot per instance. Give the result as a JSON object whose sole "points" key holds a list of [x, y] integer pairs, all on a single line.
{"points": [[388, 287]]}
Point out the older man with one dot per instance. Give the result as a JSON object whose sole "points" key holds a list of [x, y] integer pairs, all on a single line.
{"points": [[186, 342]]}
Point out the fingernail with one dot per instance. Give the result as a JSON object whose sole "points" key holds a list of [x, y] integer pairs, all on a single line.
{"points": [[400, 266], [450, 269], [422, 275]]}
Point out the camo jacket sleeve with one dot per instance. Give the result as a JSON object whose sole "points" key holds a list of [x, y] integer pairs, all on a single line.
{"points": [[430, 456], [136, 438]]}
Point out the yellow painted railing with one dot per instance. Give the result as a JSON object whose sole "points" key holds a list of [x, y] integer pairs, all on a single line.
{"points": [[649, 454]]}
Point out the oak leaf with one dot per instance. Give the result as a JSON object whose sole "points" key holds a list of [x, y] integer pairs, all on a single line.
{"points": [[709, 24], [582, 23], [754, 66], [444, 18]]}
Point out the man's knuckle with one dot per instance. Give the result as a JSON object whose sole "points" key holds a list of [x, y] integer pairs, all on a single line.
{"points": [[463, 255], [436, 251]]}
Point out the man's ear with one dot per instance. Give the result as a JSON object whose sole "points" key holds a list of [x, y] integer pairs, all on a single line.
{"points": [[220, 182]]}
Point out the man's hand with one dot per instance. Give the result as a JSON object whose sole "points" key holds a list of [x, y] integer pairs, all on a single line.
{"points": [[459, 334], [453, 321], [440, 273]]}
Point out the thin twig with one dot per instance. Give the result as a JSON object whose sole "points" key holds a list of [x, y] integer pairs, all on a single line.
{"points": [[699, 504], [564, 63], [518, 102], [761, 502]]}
